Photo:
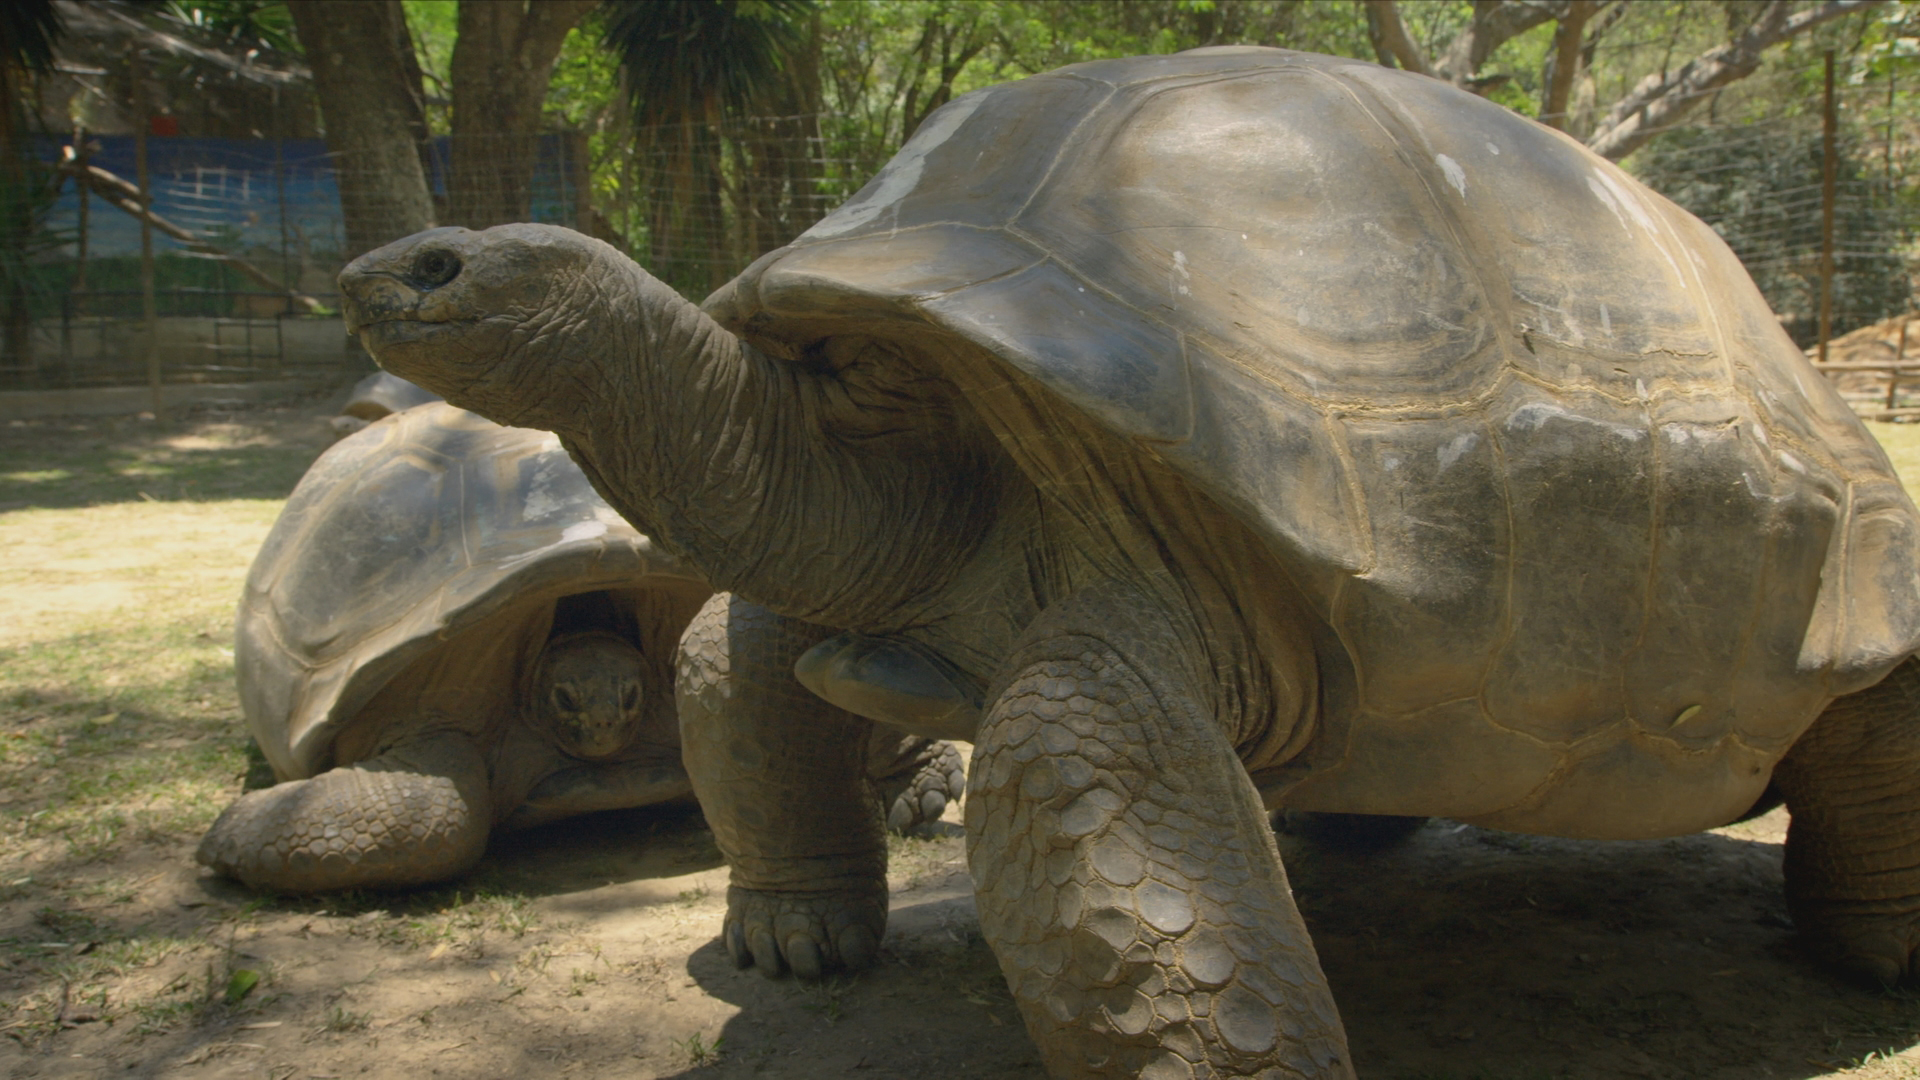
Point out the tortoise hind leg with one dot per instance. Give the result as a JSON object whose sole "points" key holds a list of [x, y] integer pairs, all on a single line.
{"points": [[1852, 786], [916, 776], [781, 778], [416, 813]]}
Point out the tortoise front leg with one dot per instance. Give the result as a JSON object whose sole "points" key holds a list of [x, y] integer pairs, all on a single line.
{"points": [[781, 777], [590, 787], [1852, 785], [1127, 877], [417, 812]]}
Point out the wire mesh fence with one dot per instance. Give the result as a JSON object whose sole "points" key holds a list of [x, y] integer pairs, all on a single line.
{"points": [[249, 234], [1759, 184]]}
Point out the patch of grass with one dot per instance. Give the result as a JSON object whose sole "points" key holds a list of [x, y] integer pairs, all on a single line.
{"points": [[162, 1015], [455, 918], [118, 715], [1902, 444], [88, 461], [912, 860], [123, 546], [341, 1020], [830, 998], [700, 1052]]}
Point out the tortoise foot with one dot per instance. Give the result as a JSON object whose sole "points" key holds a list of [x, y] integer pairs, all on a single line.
{"points": [[807, 933], [1880, 949], [917, 798]]}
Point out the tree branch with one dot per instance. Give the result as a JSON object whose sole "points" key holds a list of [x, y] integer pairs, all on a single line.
{"points": [[1390, 38], [1660, 102], [123, 195], [1495, 22]]}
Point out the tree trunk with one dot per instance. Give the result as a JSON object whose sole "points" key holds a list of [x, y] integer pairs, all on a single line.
{"points": [[1563, 62], [503, 58], [360, 53]]}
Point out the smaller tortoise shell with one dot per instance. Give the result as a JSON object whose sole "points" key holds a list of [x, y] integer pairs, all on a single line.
{"points": [[398, 539]]}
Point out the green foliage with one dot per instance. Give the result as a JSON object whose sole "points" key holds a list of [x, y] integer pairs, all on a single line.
{"points": [[688, 61], [434, 26], [240, 984], [584, 91], [237, 25], [1760, 189]]}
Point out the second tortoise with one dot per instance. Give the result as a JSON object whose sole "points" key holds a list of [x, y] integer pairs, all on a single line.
{"points": [[448, 632]]}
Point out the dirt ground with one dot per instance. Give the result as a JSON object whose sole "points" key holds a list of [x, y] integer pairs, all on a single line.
{"points": [[587, 948]]}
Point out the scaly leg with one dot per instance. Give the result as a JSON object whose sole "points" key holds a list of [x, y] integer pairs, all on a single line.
{"points": [[418, 812], [917, 777], [1127, 877], [1852, 785], [781, 777]]}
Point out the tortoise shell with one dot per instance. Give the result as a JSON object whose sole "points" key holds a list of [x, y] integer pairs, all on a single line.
{"points": [[1522, 431], [427, 551]]}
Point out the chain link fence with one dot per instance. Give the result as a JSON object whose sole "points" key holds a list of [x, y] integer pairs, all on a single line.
{"points": [[248, 234]]}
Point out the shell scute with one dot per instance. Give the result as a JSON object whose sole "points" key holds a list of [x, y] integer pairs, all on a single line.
{"points": [[1576, 252], [1699, 584], [1579, 483], [1434, 601], [1098, 354], [1222, 210]]}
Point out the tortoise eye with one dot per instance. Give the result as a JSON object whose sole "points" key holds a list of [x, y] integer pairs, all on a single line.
{"points": [[436, 267], [563, 698], [630, 697]]}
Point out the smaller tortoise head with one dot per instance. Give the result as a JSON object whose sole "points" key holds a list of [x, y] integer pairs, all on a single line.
{"points": [[589, 693], [492, 320]]}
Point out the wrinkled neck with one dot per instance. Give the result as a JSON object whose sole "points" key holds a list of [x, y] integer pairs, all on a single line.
{"points": [[729, 458]]}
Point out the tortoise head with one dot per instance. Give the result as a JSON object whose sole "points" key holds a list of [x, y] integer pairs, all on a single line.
{"points": [[492, 320], [589, 693]]}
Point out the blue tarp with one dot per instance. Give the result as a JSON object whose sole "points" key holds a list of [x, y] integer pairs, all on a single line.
{"points": [[232, 192]]}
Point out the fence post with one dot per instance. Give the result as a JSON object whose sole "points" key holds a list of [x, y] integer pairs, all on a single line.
{"points": [[142, 121], [1829, 170]]}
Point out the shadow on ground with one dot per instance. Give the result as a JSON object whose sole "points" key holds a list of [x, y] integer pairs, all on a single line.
{"points": [[1464, 954], [202, 454]]}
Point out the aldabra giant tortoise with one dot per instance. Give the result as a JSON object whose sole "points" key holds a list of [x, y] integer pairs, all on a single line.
{"points": [[376, 397], [1233, 428], [446, 631]]}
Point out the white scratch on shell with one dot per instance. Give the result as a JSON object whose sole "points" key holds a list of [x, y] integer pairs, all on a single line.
{"points": [[583, 530], [1455, 175], [1455, 449]]}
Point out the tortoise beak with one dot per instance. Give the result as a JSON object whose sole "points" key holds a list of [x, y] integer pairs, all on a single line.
{"points": [[380, 287], [369, 297]]}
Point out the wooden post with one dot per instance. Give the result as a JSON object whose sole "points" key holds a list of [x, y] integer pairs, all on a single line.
{"points": [[83, 189], [76, 291], [148, 309], [1829, 171]]}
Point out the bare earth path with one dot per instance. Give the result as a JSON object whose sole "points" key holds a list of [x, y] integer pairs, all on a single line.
{"points": [[586, 948]]}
